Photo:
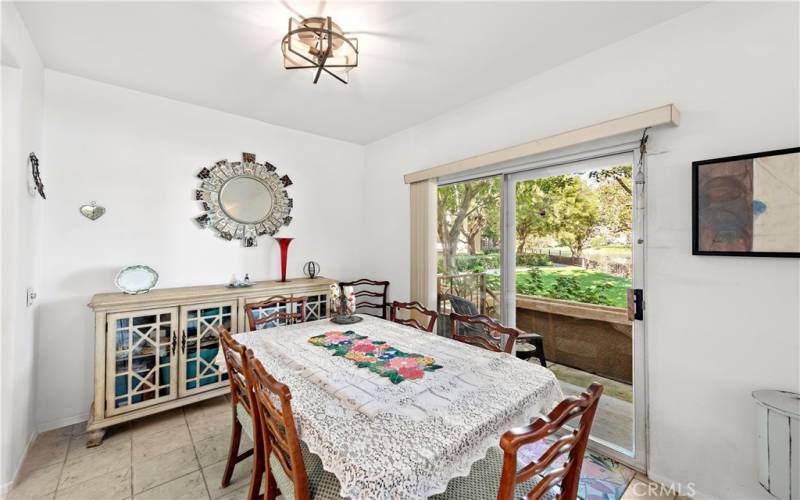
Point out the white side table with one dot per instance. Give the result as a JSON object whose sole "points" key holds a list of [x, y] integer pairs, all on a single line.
{"points": [[778, 420]]}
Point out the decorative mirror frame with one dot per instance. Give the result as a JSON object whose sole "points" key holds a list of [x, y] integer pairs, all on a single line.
{"points": [[215, 177]]}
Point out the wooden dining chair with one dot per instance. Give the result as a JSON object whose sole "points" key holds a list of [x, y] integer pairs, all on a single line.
{"points": [[414, 308], [533, 342], [567, 476], [483, 331], [291, 469], [275, 311], [498, 476], [237, 360], [375, 292]]}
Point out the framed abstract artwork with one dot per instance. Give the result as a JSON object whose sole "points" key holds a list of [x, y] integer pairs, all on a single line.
{"points": [[747, 205]]}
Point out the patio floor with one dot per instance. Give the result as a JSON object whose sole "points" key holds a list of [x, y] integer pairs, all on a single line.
{"points": [[614, 419]]}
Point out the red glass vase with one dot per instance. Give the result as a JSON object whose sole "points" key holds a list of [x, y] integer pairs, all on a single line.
{"points": [[284, 244]]}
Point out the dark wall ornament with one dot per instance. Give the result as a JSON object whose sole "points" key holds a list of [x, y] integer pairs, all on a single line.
{"points": [[311, 269], [243, 200], [37, 179]]}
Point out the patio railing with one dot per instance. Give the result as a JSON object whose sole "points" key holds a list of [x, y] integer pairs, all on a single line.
{"points": [[470, 286]]}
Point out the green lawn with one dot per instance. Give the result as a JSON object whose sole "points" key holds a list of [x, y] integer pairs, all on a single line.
{"points": [[616, 295], [610, 251], [604, 251]]}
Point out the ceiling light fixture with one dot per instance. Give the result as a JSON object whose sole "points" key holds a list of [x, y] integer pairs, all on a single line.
{"points": [[320, 44]]}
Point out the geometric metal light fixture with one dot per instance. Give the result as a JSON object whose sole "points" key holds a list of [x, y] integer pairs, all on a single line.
{"points": [[320, 44]]}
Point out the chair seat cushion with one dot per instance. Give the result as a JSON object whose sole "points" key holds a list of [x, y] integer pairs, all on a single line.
{"points": [[323, 485], [245, 420], [483, 481]]}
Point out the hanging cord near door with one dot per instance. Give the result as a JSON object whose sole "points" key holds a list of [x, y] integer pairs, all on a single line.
{"points": [[638, 181], [643, 147]]}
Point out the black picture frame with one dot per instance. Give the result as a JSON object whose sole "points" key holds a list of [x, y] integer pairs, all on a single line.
{"points": [[695, 206]]}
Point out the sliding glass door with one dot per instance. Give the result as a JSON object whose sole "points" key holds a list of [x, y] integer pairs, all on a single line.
{"points": [[469, 248], [557, 249]]}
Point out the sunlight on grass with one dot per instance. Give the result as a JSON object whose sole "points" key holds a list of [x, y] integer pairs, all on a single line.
{"points": [[616, 294]]}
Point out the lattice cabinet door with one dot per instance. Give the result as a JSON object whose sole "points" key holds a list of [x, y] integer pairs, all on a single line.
{"points": [[141, 366], [317, 307], [200, 345]]}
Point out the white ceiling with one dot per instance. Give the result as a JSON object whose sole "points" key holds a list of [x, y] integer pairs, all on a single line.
{"points": [[417, 60]]}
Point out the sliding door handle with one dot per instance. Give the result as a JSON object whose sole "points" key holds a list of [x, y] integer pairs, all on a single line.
{"points": [[635, 304]]}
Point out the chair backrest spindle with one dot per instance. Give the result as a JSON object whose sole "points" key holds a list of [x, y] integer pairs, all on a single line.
{"points": [[573, 444], [483, 331], [414, 308], [279, 310], [239, 371], [274, 406], [375, 292]]}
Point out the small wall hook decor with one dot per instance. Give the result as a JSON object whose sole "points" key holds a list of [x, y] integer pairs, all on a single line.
{"points": [[92, 211], [37, 185]]}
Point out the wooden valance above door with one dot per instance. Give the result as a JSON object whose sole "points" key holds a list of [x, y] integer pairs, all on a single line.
{"points": [[664, 115]]}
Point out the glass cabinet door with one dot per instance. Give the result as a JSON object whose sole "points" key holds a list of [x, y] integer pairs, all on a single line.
{"points": [[199, 371], [317, 307], [140, 359]]}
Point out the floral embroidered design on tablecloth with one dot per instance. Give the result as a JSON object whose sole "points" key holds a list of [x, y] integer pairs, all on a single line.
{"points": [[375, 355]]}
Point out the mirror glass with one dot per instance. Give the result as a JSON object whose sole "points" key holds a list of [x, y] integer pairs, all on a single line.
{"points": [[245, 199]]}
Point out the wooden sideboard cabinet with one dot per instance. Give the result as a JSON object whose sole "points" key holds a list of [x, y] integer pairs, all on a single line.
{"points": [[156, 351]]}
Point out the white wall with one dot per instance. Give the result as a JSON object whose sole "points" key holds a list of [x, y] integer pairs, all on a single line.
{"points": [[137, 155], [717, 327], [22, 83]]}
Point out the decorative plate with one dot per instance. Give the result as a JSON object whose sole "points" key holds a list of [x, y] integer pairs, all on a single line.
{"points": [[135, 280], [243, 200]]}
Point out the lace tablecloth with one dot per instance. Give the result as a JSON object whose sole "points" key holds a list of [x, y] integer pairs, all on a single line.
{"points": [[403, 441]]}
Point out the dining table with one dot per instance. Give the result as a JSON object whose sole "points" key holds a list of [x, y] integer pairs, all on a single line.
{"points": [[395, 412]]}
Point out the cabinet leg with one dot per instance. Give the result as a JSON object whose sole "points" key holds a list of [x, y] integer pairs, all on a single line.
{"points": [[95, 438]]}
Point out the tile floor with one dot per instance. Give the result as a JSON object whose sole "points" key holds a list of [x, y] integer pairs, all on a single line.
{"points": [[177, 454], [173, 455]]}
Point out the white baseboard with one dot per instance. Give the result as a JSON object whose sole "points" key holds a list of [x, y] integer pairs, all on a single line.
{"points": [[62, 422], [6, 487]]}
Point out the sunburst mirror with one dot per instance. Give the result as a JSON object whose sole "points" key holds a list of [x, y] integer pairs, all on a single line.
{"points": [[244, 199]]}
